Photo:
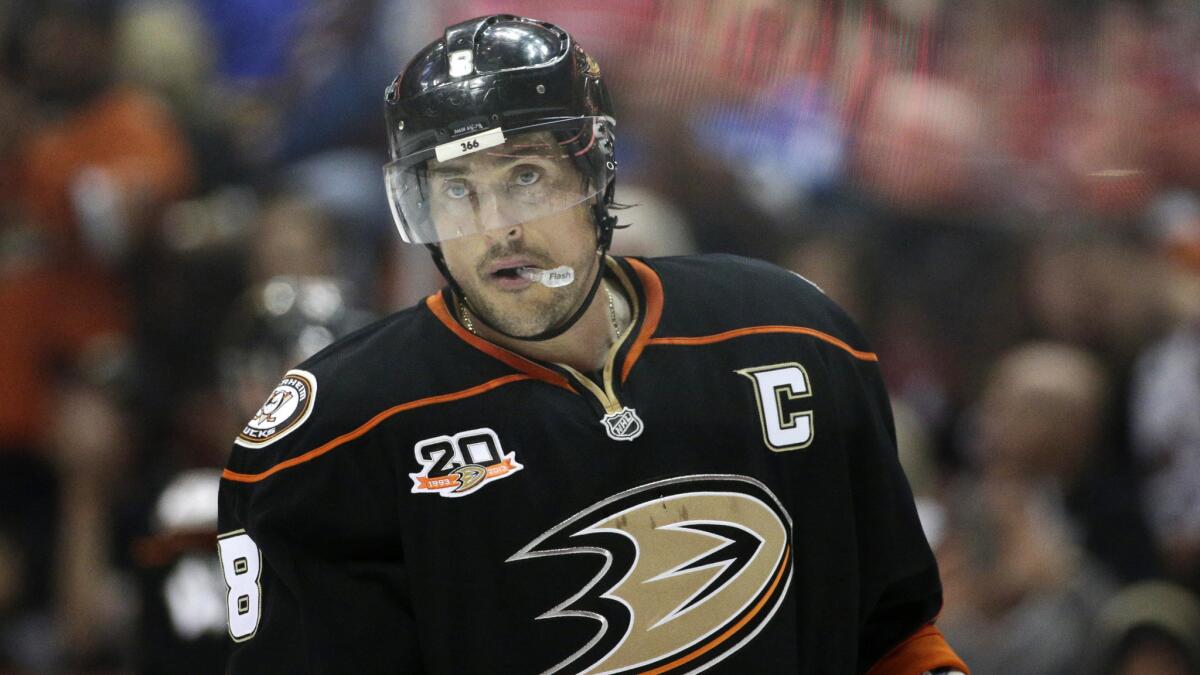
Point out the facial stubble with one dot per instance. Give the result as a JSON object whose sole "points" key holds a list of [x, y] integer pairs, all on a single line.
{"points": [[535, 308]]}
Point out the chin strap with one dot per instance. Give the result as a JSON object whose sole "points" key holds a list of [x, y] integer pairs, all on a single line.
{"points": [[605, 224]]}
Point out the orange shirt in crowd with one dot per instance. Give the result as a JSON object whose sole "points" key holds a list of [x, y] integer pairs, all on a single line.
{"points": [[51, 316], [55, 310], [130, 135]]}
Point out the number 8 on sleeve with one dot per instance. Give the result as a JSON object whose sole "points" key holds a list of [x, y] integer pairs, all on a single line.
{"points": [[241, 564]]}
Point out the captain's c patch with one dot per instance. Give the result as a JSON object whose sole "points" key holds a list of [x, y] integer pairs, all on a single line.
{"points": [[458, 465], [290, 403]]}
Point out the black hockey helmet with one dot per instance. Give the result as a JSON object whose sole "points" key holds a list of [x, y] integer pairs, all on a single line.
{"points": [[506, 86]]}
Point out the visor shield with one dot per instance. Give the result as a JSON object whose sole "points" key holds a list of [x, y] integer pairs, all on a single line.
{"points": [[498, 179]]}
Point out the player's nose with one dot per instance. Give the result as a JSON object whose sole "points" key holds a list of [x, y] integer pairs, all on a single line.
{"points": [[495, 221], [489, 212]]}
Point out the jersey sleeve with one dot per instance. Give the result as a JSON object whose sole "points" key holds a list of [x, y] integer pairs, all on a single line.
{"points": [[901, 593], [311, 554]]}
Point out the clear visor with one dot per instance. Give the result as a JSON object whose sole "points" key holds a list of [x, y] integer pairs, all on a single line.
{"points": [[498, 179]]}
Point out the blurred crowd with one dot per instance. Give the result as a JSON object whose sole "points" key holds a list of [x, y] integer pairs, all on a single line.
{"points": [[1005, 195]]}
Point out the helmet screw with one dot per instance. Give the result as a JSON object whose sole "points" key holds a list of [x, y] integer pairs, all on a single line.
{"points": [[541, 89], [400, 125]]}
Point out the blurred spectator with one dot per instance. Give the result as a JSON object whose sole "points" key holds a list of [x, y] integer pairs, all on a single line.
{"points": [[342, 52], [833, 262], [704, 188], [183, 276], [61, 333], [1166, 397], [294, 237], [184, 607], [165, 47], [922, 146], [1151, 628], [65, 324], [289, 79], [1106, 148], [94, 606], [343, 184], [1041, 420], [106, 158], [1021, 597], [940, 304], [1029, 537], [787, 145]]}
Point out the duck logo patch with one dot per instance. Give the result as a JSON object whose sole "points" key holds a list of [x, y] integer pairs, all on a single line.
{"points": [[290, 403], [692, 569], [458, 465]]}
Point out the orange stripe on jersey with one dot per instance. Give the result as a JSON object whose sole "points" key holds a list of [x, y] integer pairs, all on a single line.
{"points": [[732, 630], [372, 423], [924, 650], [755, 330], [654, 307], [437, 305]]}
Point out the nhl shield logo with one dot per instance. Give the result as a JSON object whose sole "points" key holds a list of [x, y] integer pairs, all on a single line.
{"points": [[623, 425]]}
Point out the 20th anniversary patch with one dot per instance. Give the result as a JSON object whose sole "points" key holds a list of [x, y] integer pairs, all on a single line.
{"points": [[289, 404]]}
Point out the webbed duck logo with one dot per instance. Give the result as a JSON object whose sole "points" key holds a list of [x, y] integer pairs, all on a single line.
{"points": [[694, 568]]}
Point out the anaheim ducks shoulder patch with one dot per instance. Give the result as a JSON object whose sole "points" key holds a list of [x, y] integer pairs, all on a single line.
{"points": [[290, 403]]}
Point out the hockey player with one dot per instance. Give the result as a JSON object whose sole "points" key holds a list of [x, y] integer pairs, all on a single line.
{"points": [[566, 461]]}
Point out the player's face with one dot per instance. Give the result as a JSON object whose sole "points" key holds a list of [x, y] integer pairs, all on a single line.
{"points": [[487, 193]]}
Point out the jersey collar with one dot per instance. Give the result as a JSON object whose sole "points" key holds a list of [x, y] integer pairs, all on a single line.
{"points": [[643, 284]]}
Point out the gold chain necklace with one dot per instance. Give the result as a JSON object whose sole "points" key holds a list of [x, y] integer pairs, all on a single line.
{"points": [[466, 318], [612, 313]]}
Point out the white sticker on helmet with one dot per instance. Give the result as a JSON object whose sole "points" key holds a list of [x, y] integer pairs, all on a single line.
{"points": [[462, 62], [465, 146]]}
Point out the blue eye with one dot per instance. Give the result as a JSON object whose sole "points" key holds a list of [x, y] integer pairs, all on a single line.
{"points": [[455, 189], [527, 176]]}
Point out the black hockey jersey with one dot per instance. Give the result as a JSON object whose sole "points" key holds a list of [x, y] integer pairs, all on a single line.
{"points": [[724, 495]]}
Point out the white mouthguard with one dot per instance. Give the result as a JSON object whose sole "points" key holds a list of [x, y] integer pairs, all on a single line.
{"points": [[559, 276]]}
